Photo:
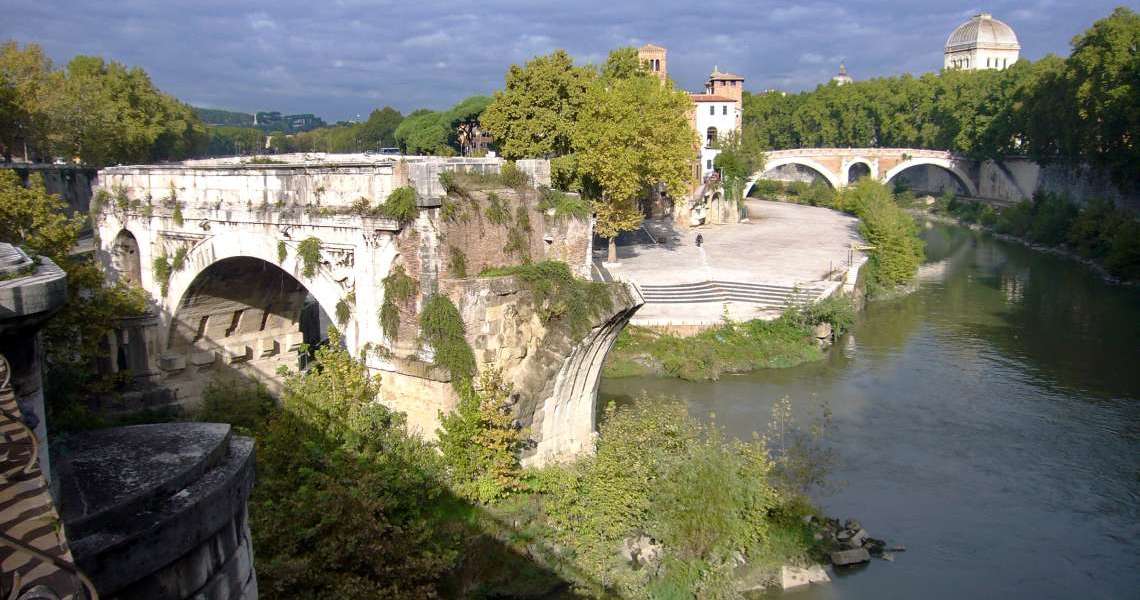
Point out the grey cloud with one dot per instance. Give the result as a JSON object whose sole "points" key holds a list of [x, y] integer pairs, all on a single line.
{"points": [[346, 57]]}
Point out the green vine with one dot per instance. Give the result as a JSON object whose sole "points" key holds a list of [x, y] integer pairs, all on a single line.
{"points": [[398, 289], [457, 262], [309, 251], [282, 251], [179, 259], [497, 212], [344, 308], [401, 205], [162, 270], [518, 235], [563, 204], [442, 328], [177, 214]]}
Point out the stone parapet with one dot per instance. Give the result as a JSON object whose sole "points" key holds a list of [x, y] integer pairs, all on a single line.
{"points": [[159, 511]]}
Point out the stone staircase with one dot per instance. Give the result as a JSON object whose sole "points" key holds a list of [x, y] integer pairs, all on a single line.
{"points": [[764, 296]]}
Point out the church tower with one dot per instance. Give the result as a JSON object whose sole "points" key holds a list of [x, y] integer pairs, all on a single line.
{"points": [[654, 59]]}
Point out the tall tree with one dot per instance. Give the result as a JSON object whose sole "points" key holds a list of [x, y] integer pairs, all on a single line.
{"points": [[534, 115], [1104, 71], [26, 85], [632, 134], [379, 131]]}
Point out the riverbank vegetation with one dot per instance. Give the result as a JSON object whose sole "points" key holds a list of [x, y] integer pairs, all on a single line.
{"points": [[732, 347], [894, 248], [1080, 109], [349, 503], [1096, 231]]}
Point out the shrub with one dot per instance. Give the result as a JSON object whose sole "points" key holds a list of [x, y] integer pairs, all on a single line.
{"points": [[282, 252], [244, 405], [309, 251], [179, 259], [796, 188], [344, 308], [512, 176], [1123, 257], [564, 205], [347, 500], [767, 188], [897, 250], [480, 443], [1052, 217], [401, 205], [176, 216], [818, 193]]}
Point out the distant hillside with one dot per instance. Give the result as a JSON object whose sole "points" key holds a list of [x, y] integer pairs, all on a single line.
{"points": [[213, 116]]}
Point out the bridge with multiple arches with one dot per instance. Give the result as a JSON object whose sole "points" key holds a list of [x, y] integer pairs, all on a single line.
{"points": [[840, 167]]}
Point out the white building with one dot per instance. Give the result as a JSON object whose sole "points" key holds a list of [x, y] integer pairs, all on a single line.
{"points": [[842, 78], [983, 42], [717, 112]]}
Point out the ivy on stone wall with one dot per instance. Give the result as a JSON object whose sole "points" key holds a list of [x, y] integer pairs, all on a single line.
{"points": [[282, 252], [398, 288], [558, 295], [401, 205], [344, 308], [442, 328], [498, 213], [162, 270], [518, 235], [309, 251], [457, 262]]}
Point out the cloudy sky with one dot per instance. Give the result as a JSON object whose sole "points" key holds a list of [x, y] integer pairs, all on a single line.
{"points": [[340, 58]]}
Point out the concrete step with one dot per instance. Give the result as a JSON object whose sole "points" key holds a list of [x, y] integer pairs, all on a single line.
{"points": [[770, 295]]}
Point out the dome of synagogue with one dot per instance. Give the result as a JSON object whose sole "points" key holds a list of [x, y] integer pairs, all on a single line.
{"points": [[982, 31]]}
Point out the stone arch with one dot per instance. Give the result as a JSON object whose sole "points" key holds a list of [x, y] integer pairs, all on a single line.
{"points": [[126, 258], [852, 171], [831, 178], [240, 316], [945, 163], [209, 251]]}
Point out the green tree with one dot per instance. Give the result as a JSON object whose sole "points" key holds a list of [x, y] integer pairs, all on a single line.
{"points": [[26, 85], [423, 132], [631, 135], [535, 114], [233, 141], [1104, 72], [379, 131], [37, 221]]}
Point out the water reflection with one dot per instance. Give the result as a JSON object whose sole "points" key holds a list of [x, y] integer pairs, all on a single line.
{"points": [[990, 421]]}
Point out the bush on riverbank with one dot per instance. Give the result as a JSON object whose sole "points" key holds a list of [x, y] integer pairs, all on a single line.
{"points": [[1098, 231], [732, 347], [349, 504], [896, 248]]}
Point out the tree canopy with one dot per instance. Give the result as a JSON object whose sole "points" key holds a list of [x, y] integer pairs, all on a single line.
{"points": [[534, 114], [1082, 109], [101, 112]]}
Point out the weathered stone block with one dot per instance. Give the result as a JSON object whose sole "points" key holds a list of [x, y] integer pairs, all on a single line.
{"points": [[843, 558], [203, 359], [172, 362], [267, 347], [794, 577], [233, 353]]}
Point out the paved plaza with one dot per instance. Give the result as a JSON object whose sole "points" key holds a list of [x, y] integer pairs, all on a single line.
{"points": [[785, 251]]}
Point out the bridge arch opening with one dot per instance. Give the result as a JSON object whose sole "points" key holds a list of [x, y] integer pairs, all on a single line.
{"points": [[243, 317], [786, 173], [930, 177], [857, 171], [126, 262]]}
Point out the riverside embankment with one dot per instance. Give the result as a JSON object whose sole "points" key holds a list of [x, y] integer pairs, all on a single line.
{"points": [[990, 421]]}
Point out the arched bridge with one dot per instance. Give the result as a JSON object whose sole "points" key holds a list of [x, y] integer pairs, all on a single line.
{"points": [[840, 167]]}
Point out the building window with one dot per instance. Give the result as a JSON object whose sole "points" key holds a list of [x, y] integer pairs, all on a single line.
{"points": [[708, 164], [710, 136], [712, 109], [724, 110]]}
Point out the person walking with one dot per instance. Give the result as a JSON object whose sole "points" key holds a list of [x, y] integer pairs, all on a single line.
{"points": [[700, 240]]}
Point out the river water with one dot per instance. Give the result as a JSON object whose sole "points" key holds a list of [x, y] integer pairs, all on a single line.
{"points": [[990, 422]]}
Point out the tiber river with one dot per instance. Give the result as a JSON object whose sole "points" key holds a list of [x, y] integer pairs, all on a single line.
{"points": [[990, 422]]}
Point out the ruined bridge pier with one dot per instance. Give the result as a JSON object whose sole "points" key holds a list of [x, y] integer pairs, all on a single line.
{"points": [[220, 249]]}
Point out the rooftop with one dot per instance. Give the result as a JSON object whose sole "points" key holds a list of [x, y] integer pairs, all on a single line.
{"points": [[982, 31], [710, 98]]}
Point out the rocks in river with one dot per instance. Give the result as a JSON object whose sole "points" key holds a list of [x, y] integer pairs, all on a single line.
{"points": [[897, 548], [887, 556], [821, 331], [641, 551], [794, 577], [858, 538], [844, 558]]}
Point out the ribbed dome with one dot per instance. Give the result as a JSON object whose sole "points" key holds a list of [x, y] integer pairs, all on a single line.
{"points": [[982, 31]]}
